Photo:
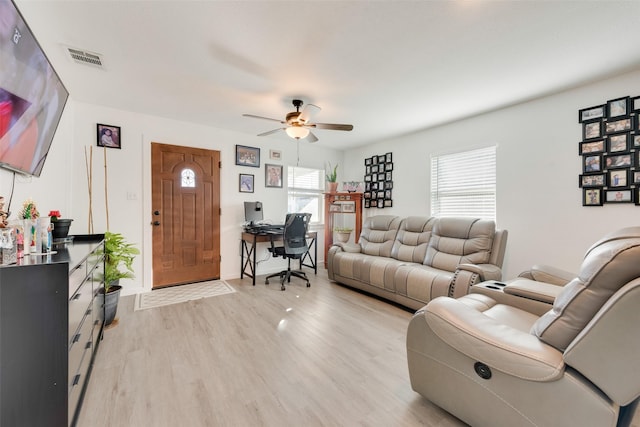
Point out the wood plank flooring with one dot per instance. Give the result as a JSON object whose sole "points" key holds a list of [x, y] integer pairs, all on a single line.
{"points": [[319, 356]]}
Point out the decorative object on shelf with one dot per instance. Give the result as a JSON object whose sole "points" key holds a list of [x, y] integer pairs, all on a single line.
{"points": [[29, 215], [247, 156], [343, 233], [609, 151], [118, 264], [332, 178], [352, 186], [4, 215], [109, 136], [61, 226], [378, 181]]}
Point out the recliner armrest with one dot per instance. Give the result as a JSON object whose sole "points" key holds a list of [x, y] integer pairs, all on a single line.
{"points": [[485, 271], [349, 247], [484, 339], [548, 274], [467, 275]]}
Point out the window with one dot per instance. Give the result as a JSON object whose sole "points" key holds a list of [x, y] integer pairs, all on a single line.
{"points": [[188, 178], [305, 187], [464, 184]]}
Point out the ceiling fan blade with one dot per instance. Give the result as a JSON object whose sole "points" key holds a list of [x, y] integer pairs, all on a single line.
{"points": [[263, 118], [311, 138], [331, 126], [307, 112], [270, 132]]}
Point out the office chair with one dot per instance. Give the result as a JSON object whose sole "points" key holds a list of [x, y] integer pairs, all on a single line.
{"points": [[295, 246]]}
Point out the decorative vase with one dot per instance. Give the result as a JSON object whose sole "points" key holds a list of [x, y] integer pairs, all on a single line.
{"points": [[343, 236], [333, 187], [60, 228], [111, 299]]}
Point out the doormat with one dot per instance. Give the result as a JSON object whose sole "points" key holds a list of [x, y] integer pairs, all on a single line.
{"points": [[182, 293]]}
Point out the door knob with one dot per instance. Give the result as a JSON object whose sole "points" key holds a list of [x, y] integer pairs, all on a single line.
{"points": [[156, 223], [156, 213]]}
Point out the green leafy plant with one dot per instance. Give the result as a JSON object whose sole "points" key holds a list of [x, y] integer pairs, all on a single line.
{"points": [[333, 175], [119, 256]]}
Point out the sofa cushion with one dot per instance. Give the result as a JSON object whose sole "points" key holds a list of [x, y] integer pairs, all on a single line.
{"points": [[422, 282], [457, 241], [412, 239], [378, 234]]}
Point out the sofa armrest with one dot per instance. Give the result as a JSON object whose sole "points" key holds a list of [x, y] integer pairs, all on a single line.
{"points": [[467, 275], [349, 247], [548, 274], [500, 346]]}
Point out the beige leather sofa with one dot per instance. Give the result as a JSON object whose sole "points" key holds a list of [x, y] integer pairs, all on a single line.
{"points": [[412, 260], [491, 358]]}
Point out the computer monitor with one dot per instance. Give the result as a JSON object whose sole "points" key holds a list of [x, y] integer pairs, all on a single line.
{"points": [[253, 212]]}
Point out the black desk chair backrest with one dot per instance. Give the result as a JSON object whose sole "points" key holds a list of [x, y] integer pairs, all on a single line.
{"points": [[295, 231]]}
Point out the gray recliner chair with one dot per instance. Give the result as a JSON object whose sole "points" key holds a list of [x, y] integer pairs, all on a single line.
{"points": [[493, 364]]}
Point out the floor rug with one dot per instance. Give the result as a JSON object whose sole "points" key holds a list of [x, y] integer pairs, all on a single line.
{"points": [[182, 293]]}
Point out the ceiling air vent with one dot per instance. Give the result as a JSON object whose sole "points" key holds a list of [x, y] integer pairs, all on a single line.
{"points": [[83, 57]]}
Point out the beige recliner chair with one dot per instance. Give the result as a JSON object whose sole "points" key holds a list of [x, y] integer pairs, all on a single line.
{"points": [[493, 364]]}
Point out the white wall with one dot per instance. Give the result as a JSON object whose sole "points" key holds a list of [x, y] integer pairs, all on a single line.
{"points": [[63, 183], [539, 201]]}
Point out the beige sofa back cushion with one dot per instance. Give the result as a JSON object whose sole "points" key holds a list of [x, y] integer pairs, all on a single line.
{"points": [[378, 234], [608, 265], [412, 239], [457, 241]]}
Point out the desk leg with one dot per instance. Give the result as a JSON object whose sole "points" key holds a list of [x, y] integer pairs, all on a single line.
{"points": [[313, 261], [250, 251], [253, 249]]}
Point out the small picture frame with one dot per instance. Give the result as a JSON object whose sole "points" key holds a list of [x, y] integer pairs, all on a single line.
{"points": [[109, 136], [618, 178], [374, 168], [367, 195], [381, 203], [636, 140], [388, 203], [246, 183], [588, 181], [635, 178], [592, 163], [591, 113], [592, 197], [591, 147], [388, 176], [367, 203], [621, 125], [619, 161], [367, 178], [247, 156], [381, 176], [349, 207], [618, 107], [334, 207], [635, 106], [368, 161], [387, 194], [618, 196], [388, 157], [388, 166], [373, 203], [592, 129], [381, 158], [275, 154], [272, 176], [367, 170], [619, 143], [388, 185], [380, 194]]}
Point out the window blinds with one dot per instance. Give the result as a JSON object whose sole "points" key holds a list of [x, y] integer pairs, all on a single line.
{"points": [[305, 187]]}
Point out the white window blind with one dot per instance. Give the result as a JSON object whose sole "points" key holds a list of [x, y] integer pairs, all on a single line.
{"points": [[464, 184], [305, 187]]}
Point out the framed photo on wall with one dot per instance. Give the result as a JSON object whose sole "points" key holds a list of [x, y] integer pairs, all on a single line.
{"points": [[620, 125], [591, 113], [592, 163], [109, 136], [618, 178], [591, 147], [597, 180], [247, 156], [618, 107], [592, 129], [246, 183], [592, 197], [273, 176], [619, 143], [619, 196]]}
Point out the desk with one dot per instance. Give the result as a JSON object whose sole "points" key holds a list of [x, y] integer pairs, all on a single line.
{"points": [[250, 240]]}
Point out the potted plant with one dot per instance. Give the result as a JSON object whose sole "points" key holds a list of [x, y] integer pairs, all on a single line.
{"points": [[118, 261], [60, 226], [344, 233], [332, 178]]}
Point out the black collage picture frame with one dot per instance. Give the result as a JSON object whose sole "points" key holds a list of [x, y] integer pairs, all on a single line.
{"points": [[378, 181], [610, 151]]}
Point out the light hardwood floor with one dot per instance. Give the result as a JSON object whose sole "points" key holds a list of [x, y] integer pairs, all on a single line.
{"points": [[319, 356]]}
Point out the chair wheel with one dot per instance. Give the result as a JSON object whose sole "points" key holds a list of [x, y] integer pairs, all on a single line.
{"points": [[282, 288], [266, 282], [308, 285]]}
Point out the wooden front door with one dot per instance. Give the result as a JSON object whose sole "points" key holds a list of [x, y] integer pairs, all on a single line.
{"points": [[185, 192]]}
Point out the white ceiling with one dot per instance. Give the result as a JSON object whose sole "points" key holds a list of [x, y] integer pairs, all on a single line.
{"points": [[387, 67]]}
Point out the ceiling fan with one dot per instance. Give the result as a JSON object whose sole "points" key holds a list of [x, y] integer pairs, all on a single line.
{"points": [[299, 124]]}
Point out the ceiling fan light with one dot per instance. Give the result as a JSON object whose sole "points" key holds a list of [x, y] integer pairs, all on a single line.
{"points": [[297, 132]]}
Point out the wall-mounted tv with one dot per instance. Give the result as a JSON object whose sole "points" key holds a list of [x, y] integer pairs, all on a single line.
{"points": [[32, 97]]}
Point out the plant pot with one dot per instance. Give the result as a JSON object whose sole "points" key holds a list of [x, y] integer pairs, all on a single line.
{"points": [[343, 236], [333, 187], [60, 228], [111, 302]]}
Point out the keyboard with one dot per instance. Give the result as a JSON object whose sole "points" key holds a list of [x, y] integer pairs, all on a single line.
{"points": [[265, 228]]}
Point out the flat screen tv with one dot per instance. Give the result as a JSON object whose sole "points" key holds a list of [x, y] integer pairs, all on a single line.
{"points": [[32, 97]]}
